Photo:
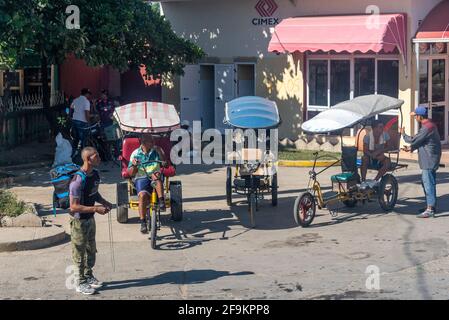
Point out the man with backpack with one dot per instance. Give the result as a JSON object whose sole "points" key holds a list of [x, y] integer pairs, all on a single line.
{"points": [[83, 196]]}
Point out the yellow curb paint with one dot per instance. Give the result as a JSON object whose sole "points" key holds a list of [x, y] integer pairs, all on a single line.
{"points": [[306, 163]]}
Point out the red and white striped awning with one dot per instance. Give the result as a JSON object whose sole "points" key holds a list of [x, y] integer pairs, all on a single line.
{"points": [[348, 33], [435, 27], [147, 117]]}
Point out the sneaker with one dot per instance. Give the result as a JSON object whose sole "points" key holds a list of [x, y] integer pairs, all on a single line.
{"points": [[143, 227], [94, 283], [364, 185], [424, 209], [162, 206], [85, 288], [373, 183], [427, 214]]}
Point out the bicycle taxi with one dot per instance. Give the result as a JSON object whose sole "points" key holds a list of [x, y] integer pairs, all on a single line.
{"points": [[346, 187], [160, 120], [255, 167]]}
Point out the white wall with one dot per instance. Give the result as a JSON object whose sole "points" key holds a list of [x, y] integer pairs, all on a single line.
{"points": [[224, 28]]}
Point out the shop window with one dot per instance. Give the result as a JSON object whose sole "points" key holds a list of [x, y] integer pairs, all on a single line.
{"points": [[438, 80], [330, 79], [318, 82], [423, 81], [311, 114], [33, 80], [364, 77], [12, 79], [340, 81], [388, 78]]}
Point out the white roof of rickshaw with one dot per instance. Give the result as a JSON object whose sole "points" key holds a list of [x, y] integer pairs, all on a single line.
{"points": [[147, 117], [348, 113], [252, 112]]}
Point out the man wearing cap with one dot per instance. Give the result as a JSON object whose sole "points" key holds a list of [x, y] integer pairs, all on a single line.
{"points": [[81, 116], [428, 143]]}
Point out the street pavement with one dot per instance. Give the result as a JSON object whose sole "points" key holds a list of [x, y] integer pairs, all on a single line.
{"points": [[214, 254]]}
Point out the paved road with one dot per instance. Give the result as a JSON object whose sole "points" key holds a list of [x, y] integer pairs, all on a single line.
{"points": [[212, 253]]}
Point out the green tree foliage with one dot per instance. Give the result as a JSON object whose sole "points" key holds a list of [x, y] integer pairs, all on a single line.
{"points": [[120, 33]]}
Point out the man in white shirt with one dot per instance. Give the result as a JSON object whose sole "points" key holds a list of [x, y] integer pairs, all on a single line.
{"points": [[81, 116]]}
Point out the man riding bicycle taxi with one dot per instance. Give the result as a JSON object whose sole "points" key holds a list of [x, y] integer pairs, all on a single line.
{"points": [[140, 168], [375, 144]]}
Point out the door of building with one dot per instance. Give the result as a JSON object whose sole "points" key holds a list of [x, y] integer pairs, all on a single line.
{"points": [[224, 92], [190, 92], [433, 91]]}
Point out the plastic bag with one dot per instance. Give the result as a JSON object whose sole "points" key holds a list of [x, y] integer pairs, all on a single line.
{"points": [[63, 154]]}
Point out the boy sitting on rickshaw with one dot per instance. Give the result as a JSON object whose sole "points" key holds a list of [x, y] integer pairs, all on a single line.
{"points": [[374, 146], [139, 166]]}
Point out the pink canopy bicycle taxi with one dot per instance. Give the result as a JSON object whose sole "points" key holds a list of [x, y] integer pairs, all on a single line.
{"points": [[160, 120]]}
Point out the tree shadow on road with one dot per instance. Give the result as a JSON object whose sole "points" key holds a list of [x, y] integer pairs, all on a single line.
{"points": [[173, 277]]}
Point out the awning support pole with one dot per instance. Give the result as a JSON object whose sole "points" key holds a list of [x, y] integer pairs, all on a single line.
{"points": [[417, 82]]}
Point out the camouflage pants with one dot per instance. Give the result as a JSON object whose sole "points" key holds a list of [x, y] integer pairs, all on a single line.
{"points": [[84, 247]]}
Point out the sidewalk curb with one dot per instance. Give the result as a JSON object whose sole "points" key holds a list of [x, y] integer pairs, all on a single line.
{"points": [[306, 163], [25, 166], [34, 244], [12, 180]]}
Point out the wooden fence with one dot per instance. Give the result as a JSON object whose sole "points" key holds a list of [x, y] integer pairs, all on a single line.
{"points": [[24, 126]]}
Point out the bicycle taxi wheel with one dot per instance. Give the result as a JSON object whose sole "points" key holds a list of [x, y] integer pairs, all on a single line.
{"points": [[388, 192], [153, 232], [304, 209]]}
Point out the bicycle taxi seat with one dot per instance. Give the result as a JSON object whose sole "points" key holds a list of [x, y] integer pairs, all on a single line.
{"points": [[132, 143], [160, 120], [348, 166]]}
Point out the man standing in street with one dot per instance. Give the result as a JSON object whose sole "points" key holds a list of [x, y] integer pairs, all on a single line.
{"points": [[81, 117], [83, 196], [428, 144]]}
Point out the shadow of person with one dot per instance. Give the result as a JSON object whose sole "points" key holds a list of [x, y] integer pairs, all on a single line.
{"points": [[173, 277], [412, 206]]}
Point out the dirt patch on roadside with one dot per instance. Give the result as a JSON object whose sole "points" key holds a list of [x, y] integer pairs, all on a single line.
{"points": [[296, 241]]}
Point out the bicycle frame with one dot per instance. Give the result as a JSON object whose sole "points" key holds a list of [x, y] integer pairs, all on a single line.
{"points": [[315, 188]]}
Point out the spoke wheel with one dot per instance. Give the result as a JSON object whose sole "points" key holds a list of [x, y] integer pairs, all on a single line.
{"points": [[153, 234], [304, 209], [388, 192], [229, 186], [252, 202], [274, 190]]}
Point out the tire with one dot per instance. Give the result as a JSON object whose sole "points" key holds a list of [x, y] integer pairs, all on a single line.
{"points": [[122, 202], [387, 194], [252, 203], [229, 186], [274, 190], [122, 214], [350, 203], [153, 235], [176, 200], [304, 209]]}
